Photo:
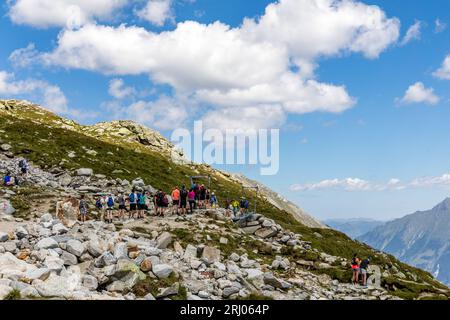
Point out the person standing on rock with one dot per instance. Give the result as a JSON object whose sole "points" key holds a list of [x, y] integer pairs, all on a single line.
{"points": [[363, 269], [213, 200], [160, 203], [244, 204], [207, 198], [191, 198], [355, 268], [122, 206], [23, 166], [183, 199], [109, 211], [175, 200], [133, 203], [202, 195], [142, 198], [83, 208]]}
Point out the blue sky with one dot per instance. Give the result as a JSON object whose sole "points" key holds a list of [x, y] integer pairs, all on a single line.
{"points": [[375, 144]]}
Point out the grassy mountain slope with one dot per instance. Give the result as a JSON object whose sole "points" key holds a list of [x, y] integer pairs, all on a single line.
{"points": [[47, 141]]}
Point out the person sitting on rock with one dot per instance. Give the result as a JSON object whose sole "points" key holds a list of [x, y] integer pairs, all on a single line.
{"points": [[83, 208], [8, 180]]}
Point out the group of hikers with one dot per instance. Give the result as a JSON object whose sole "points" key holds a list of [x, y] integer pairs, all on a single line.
{"points": [[14, 180], [139, 203], [359, 268]]}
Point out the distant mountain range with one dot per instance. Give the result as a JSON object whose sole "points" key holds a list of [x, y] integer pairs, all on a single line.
{"points": [[353, 227], [421, 239]]}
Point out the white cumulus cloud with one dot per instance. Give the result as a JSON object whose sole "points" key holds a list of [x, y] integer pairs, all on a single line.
{"points": [[267, 62], [61, 13], [157, 12], [49, 95], [417, 93], [119, 90], [444, 71]]}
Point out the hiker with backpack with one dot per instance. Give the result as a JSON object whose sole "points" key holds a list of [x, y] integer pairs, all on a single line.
{"points": [[109, 211], [235, 207], [162, 203], [142, 199], [191, 199], [244, 204], [202, 197], [100, 204], [176, 200], [183, 199], [213, 200], [355, 268], [133, 203], [23, 166], [363, 267], [83, 208], [122, 206]]}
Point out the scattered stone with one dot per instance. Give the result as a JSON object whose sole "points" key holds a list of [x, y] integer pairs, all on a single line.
{"points": [[162, 271]]}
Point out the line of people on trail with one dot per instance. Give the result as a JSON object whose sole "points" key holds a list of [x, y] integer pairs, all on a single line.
{"points": [[139, 202], [10, 180], [359, 268]]}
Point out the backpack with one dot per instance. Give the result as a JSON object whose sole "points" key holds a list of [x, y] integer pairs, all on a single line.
{"points": [[183, 193], [142, 199], [110, 202], [22, 163], [98, 204], [165, 201], [132, 197]]}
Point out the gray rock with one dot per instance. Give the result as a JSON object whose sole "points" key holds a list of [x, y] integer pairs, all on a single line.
{"points": [[190, 252], [46, 217], [164, 240], [75, 247], [211, 255], [121, 251], [162, 271], [106, 259], [59, 228], [9, 246], [228, 291], [4, 237], [85, 172], [41, 274], [47, 243], [69, 259], [90, 282], [167, 292], [20, 232], [5, 147], [266, 233], [4, 291]]}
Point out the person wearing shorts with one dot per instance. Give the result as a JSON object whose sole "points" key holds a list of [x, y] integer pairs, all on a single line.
{"points": [[133, 198], [176, 200], [183, 199], [83, 209]]}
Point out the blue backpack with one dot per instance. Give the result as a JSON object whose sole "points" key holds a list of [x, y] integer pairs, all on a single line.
{"points": [[110, 202], [132, 198]]}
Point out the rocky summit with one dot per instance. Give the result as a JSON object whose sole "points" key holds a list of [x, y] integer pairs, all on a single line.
{"points": [[46, 252]]}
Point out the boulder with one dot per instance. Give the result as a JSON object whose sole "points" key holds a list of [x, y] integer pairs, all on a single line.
{"points": [[164, 240], [47, 243], [20, 232], [228, 291], [69, 259], [211, 255], [146, 265], [190, 252], [59, 228], [41, 274], [56, 286], [6, 207], [90, 282], [121, 251], [266, 233], [162, 271], [251, 230], [10, 265], [75, 247], [106, 259], [96, 247], [5, 147], [85, 172], [167, 292], [4, 237]]}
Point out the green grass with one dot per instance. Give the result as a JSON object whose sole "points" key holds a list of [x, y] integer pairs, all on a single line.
{"points": [[13, 295], [149, 285]]}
